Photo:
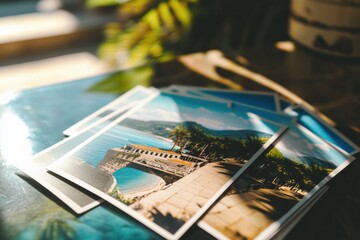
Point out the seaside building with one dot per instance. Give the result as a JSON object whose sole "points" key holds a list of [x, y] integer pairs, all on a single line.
{"points": [[153, 153], [170, 162]]}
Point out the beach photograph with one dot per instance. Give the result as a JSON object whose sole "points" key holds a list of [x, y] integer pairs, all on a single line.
{"points": [[169, 158], [264, 100], [121, 104], [274, 183], [268, 101], [308, 119]]}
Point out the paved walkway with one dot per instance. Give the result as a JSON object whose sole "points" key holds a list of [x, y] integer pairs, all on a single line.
{"points": [[171, 207], [245, 215]]}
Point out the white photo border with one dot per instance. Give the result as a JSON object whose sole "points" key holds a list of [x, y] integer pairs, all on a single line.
{"points": [[275, 227], [29, 169], [151, 225], [74, 128], [331, 128], [185, 89]]}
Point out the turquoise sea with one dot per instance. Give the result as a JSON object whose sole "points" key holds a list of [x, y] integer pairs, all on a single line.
{"points": [[128, 179]]}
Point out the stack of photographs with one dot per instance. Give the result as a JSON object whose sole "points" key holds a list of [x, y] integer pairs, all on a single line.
{"points": [[238, 164]]}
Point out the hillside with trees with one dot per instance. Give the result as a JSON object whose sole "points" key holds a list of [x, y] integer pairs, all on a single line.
{"points": [[195, 139], [274, 169]]}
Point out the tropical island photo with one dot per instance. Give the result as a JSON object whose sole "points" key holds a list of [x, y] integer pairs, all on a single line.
{"points": [[272, 185], [193, 146], [167, 159]]}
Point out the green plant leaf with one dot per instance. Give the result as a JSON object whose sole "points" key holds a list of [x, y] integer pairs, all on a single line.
{"points": [[166, 16], [125, 80], [152, 18], [157, 27], [182, 12], [103, 3]]}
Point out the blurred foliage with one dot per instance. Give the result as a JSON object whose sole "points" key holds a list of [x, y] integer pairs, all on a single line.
{"points": [[54, 229], [159, 30], [148, 29], [123, 81], [151, 31], [120, 197], [101, 3]]}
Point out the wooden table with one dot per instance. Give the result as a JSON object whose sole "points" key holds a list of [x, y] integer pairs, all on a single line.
{"points": [[34, 119]]}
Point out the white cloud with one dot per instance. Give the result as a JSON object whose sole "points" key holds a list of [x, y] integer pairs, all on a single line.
{"points": [[202, 109], [209, 123], [285, 149], [255, 122], [322, 146], [293, 145], [156, 114]]}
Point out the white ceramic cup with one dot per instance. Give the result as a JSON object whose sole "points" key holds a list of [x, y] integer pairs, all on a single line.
{"points": [[329, 26]]}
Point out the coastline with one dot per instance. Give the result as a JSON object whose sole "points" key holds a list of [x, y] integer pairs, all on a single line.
{"points": [[113, 185], [139, 193]]}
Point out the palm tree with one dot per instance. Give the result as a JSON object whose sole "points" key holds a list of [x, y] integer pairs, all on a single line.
{"points": [[187, 136], [206, 142], [235, 148], [252, 144], [178, 134], [317, 173], [197, 140]]}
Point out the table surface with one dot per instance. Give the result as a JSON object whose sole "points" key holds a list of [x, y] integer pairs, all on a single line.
{"points": [[34, 119]]}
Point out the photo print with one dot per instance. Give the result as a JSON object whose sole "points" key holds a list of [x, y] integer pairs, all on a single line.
{"points": [[284, 178], [318, 126], [264, 100], [166, 161], [77, 199], [130, 98]]}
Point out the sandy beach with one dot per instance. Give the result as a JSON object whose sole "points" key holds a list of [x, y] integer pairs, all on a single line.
{"points": [[138, 193], [113, 185]]}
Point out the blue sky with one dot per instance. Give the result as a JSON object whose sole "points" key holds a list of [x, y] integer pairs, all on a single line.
{"points": [[211, 114], [306, 119], [260, 100], [296, 143]]}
